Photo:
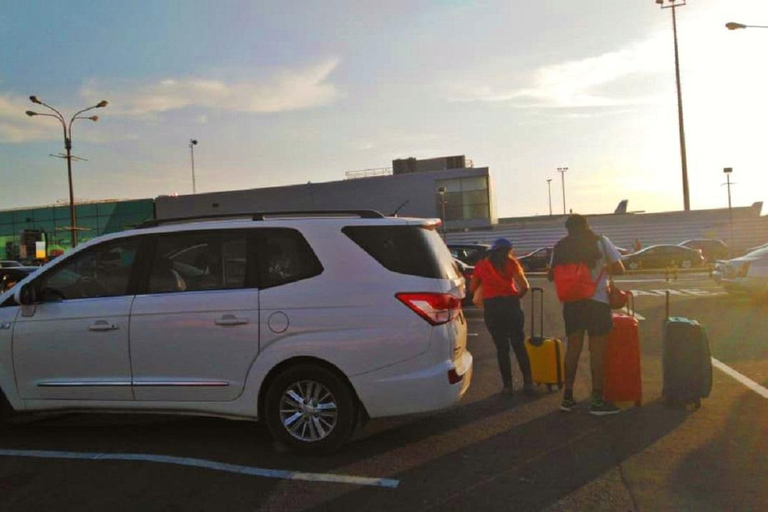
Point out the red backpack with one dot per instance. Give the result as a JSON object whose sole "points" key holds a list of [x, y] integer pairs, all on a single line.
{"points": [[573, 282]]}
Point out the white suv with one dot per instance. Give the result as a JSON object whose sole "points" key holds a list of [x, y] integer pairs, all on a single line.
{"points": [[310, 322]]}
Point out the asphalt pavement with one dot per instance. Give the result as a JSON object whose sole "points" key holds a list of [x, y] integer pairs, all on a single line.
{"points": [[492, 452]]}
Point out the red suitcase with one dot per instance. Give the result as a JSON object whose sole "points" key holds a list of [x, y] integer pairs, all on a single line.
{"points": [[623, 371]]}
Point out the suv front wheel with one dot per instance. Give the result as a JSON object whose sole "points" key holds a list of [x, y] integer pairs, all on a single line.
{"points": [[310, 409]]}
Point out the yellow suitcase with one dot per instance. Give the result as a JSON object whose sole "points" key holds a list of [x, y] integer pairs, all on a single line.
{"points": [[545, 354]]}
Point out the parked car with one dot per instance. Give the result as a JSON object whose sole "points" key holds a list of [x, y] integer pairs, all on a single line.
{"points": [[752, 249], [10, 264], [745, 274], [469, 253], [12, 275], [537, 261], [710, 248], [309, 322], [663, 256]]}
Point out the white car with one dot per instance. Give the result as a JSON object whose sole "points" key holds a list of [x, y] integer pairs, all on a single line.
{"points": [[745, 274], [309, 322]]}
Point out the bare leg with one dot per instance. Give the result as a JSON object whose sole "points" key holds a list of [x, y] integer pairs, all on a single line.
{"points": [[572, 353], [597, 362]]}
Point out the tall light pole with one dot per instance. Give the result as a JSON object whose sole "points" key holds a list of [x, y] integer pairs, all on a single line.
{"points": [[728, 171], [192, 144], [68, 146], [674, 4], [549, 192], [562, 171]]}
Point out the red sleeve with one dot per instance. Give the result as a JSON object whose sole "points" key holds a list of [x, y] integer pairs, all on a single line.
{"points": [[480, 270]]}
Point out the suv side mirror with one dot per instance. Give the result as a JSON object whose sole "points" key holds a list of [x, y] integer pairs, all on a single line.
{"points": [[25, 295]]}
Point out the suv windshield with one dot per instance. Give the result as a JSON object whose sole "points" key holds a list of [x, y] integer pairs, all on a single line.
{"points": [[412, 250]]}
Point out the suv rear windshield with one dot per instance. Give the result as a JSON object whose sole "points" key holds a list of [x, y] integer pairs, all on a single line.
{"points": [[411, 250]]}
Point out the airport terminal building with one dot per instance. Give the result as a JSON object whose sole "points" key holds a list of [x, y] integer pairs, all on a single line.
{"points": [[447, 188], [37, 233]]}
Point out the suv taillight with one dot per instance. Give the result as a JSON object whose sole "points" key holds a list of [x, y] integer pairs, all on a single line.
{"points": [[743, 269], [435, 308]]}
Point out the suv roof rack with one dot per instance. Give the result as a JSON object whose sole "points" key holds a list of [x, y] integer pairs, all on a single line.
{"points": [[363, 214]]}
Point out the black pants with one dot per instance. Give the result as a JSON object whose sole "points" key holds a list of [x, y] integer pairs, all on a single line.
{"points": [[505, 320]]}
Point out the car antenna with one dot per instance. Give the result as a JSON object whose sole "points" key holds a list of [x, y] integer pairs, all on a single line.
{"points": [[394, 213]]}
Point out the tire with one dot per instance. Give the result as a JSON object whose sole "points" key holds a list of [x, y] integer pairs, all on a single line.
{"points": [[686, 264], [6, 411], [294, 418], [634, 265]]}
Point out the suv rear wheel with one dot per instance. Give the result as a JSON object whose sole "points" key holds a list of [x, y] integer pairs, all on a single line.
{"points": [[310, 409]]}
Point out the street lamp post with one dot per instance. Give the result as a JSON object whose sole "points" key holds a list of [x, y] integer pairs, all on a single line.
{"points": [[549, 193], [441, 193], [562, 170], [68, 147], [674, 4], [728, 171], [192, 144]]}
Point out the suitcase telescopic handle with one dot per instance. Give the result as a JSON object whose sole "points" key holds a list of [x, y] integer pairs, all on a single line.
{"points": [[630, 303], [540, 292]]}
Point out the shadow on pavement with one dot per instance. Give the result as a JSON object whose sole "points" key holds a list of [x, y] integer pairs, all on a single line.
{"points": [[525, 468], [731, 471]]}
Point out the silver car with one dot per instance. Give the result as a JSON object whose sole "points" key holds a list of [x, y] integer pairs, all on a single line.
{"points": [[745, 274]]}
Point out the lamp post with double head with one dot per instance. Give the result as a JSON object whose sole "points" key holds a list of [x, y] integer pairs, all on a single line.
{"points": [[67, 127], [674, 4]]}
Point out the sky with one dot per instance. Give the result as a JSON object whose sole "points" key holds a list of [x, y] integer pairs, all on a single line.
{"points": [[280, 93]]}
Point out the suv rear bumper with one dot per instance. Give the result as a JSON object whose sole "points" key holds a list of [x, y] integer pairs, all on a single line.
{"points": [[412, 386]]}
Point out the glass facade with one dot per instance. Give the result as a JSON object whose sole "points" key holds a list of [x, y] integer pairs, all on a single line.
{"points": [[20, 229], [465, 198]]}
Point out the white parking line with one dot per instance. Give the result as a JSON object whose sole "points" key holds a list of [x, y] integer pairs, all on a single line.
{"points": [[207, 464], [754, 386]]}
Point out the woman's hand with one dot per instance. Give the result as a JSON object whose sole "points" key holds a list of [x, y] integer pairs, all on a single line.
{"points": [[473, 284]]}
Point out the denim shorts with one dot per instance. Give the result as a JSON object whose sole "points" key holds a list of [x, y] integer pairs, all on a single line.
{"points": [[588, 315]]}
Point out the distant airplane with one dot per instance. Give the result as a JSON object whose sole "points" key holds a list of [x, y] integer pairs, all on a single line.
{"points": [[622, 208]]}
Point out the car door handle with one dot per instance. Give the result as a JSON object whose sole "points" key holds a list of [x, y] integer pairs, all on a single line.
{"points": [[227, 320], [103, 325]]}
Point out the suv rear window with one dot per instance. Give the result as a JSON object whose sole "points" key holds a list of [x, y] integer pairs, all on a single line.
{"points": [[411, 250]]}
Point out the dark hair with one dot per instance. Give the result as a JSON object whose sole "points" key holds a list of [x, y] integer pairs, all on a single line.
{"points": [[498, 258], [577, 225], [586, 241]]}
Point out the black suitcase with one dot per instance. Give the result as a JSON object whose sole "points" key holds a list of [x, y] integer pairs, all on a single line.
{"points": [[687, 362]]}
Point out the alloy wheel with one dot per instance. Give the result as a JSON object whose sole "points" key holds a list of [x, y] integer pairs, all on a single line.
{"points": [[308, 411]]}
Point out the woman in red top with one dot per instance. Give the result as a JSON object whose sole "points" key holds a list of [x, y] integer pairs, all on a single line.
{"points": [[504, 283]]}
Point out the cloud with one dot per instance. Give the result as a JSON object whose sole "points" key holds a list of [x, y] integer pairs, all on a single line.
{"points": [[286, 90], [16, 127], [578, 83]]}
